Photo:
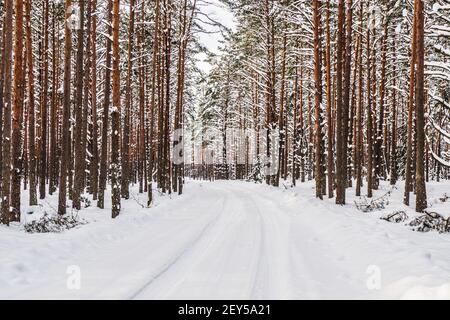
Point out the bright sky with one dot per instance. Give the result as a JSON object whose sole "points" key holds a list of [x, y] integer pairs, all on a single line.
{"points": [[220, 13]]}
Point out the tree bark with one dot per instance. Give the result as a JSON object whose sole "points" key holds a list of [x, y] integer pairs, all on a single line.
{"points": [[94, 158], [6, 107], [17, 113], [106, 103], [66, 112], [369, 111], [341, 140], [53, 160], [359, 123], [31, 111], [330, 138], [115, 115], [153, 101], [318, 98], [125, 181], [44, 103], [409, 144], [421, 195], [393, 160], [79, 161]]}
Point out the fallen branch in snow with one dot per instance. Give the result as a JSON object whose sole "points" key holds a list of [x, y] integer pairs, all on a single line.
{"points": [[396, 217], [375, 204], [431, 221], [53, 223]]}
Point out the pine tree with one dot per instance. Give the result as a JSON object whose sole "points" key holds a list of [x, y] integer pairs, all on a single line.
{"points": [[106, 104], [340, 109], [65, 139], [44, 106], [17, 113], [421, 196], [78, 146], [115, 113], [412, 80], [31, 108], [127, 121], [318, 98], [6, 107]]}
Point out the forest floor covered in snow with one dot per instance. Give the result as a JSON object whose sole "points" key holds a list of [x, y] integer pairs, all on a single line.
{"points": [[231, 240]]}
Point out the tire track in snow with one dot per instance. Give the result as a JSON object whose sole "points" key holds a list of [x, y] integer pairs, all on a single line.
{"points": [[313, 264], [261, 240], [178, 257], [226, 261], [272, 278]]}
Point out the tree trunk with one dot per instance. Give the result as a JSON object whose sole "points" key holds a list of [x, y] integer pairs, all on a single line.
{"points": [[369, 111], [318, 98], [17, 112], [66, 113], [94, 158], [141, 132], [346, 96], [341, 140], [125, 181], [379, 158], [106, 102], [86, 90], [153, 101], [44, 100], [53, 161], [6, 107], [330, 157], [421, 196], [393, 158], [409, 143], [79, 161], [115, 115], [31, 111], [359, 129]]}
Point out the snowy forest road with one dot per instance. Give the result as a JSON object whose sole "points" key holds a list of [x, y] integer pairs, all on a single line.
{"points": [[231, 257], [228, 240]]}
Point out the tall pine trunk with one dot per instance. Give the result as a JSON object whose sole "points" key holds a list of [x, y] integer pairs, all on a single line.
{"points": [[153, 102], [330, 140], [341, 140], [125, 181], [409, 143], [369, 124], [65, 140], [78, 147], [44, 107], [6, 107], [318, 98], [115, 115], [31, 110], [105, 117], [94, 133], [421, 196], [17, 113]]}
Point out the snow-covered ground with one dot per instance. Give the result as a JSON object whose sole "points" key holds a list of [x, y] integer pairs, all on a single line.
{"points": [[231, 240]]}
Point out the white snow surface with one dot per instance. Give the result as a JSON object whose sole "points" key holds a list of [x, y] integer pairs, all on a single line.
{"points": [[231, 240]]}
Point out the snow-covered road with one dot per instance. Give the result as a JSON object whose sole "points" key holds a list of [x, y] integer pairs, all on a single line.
{"points": [[227, 240]]}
